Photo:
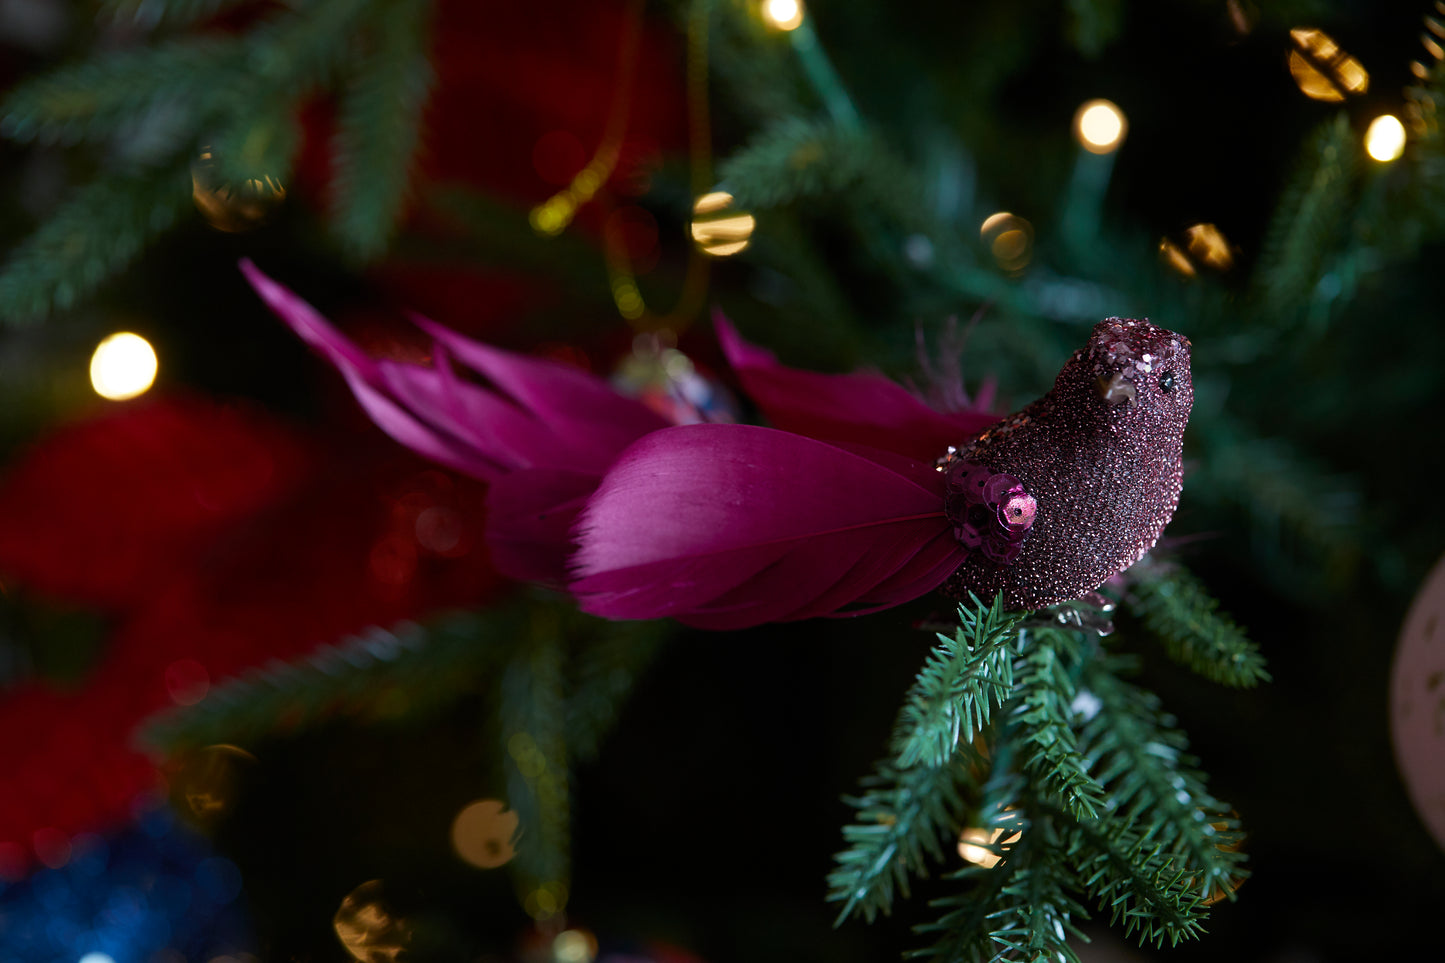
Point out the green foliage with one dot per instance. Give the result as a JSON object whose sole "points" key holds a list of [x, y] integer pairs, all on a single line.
{"points": [[159, 108], [96, 232], [1178, 610], [1081, 787], [379, 675], [554, 677], [964, 678], [1019, 910], [604, 675], [1141, 760], [1307, 224], [1141, 884], [116, 92], [1041, 722], [533, 712], [154, 12], [379, 129], [1304, 517], [904, 818]]}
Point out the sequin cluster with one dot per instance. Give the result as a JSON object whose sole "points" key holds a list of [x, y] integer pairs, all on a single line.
{"points": [[991, 511]]}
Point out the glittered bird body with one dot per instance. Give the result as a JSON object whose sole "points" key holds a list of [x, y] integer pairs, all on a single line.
{"points": [[1083, 480]]}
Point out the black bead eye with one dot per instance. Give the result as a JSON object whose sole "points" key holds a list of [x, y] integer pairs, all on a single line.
{"points": [[1166, 382]]}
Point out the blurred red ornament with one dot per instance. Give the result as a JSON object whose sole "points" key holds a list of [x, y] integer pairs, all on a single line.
{"points": [[219, 539]]}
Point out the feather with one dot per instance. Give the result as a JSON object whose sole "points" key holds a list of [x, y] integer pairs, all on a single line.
{"points": [[863, 408], [723, 526]]}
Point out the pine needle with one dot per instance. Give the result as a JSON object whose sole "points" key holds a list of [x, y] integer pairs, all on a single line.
{"points": [[382, 674], [964, 678], [1178, 610], [96, 232], [1040, 721], [379, 129]]}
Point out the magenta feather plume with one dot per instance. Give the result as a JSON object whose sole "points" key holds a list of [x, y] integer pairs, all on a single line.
{"points": [[724, 526]]}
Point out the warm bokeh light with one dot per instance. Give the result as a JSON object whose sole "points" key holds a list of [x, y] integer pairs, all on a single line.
{"points": [[974, 843], [783, 14], [228, 206], [123, 366], [203, 783], [1209, 246], [1174, 256], [1010, 239], [484, 832], [1321, 69], [368, 929], [1385, 140], [717, 229], [1100, 126], [574, 946], [1204, 246]]}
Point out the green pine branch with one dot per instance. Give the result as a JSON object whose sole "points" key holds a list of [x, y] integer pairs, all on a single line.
{"points": [[152, 13], [236, 97], [603, 675], [1304, 517], [378, 675], [379, 128], [533, 712], [964, 678], [903, 819], [1307, 224], [1020, 909], [115, 92], [1041, 721], [96, 232], [1178, 610], [1153, 783], [1140, 883]]}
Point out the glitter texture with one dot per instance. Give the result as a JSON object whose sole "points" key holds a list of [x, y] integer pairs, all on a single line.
{"points": [[1101, 456]]}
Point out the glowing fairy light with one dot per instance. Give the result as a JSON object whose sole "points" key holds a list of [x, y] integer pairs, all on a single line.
{"points": [[783, 14], [717, 227], [978, 846], [1321, 69], [484, 833], [1010, 240], [124, 365], [1385, 139], [1100, 126]]}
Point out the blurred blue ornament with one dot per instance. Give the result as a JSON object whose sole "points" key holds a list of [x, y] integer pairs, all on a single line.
{"points": [[152, 892]]}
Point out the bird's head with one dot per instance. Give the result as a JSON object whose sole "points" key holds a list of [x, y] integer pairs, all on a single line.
{"points": [[1133, 374]]}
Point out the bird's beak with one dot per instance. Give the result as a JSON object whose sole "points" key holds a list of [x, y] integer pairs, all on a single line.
{"points": [[1116, 390]]}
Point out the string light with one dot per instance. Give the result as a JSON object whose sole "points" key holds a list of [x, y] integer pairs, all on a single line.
{"points": [[1100, 126], [1010, 240], [717, 228], [1321, 69], [484, 833], [975, 845], [228, 206], [1204, 246], [123, 366], [783, 14], [1385, 139], [1208, 244]]}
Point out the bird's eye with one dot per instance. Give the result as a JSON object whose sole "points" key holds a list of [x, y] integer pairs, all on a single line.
{"points": [[1166, 382]]}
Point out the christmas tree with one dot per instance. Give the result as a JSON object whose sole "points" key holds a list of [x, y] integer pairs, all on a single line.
{"points": [[659, 581]]}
